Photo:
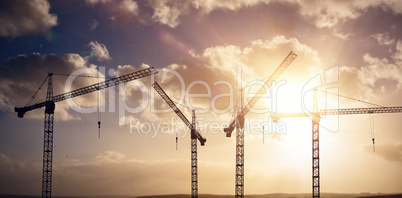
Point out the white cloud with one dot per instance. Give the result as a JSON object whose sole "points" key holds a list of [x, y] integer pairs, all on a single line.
{"points": [[110, 156], [342, 36], [131, 6], [397, 56], [384, 39], [327, 13], [167, 12], [380, 69], [93, 2], [320, 13], [367, 82], [220, 64], [331, 13], [99, 51], [19, 17], [119, 7], [208, 6]]}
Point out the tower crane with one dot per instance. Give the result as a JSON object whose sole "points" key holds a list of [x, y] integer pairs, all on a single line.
{"points": [[49, 105], [194, 136], [238, 122], [316, 115]]}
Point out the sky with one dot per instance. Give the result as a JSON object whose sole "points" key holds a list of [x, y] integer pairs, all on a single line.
{"points": [[205, 51]]}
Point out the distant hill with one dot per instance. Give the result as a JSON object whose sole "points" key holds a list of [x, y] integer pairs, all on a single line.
{"points": [[282, 195], [275, 195]]}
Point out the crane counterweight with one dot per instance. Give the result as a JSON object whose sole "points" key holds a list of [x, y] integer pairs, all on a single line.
{"points": [[88, 89]]}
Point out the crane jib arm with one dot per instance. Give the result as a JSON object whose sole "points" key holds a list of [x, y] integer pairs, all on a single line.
{"points": [[88, 89], [165, 97], [349, 111], [285, 63]]}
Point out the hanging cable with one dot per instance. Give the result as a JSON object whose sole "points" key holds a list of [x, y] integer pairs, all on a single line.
{"points": [[99, 111], [177, 140], [372, 130], [99, 96], [36, 92], [85, 76], [351, 98], [263, 132]]}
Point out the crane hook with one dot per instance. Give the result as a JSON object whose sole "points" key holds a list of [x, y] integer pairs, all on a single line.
{"points": [[177, 141], [373, 145], [99, 126], [372, 131]]}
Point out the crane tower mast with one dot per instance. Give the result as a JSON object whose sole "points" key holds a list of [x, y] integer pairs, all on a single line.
{"points": [[194, 136], [316, 115], [49, 105], [239, 121]]}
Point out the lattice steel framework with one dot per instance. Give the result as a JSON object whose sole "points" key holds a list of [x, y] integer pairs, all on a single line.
{"points": [[88, 89], [49, 104], [238, 122], [316, 115], [279, 70], [194, 168], [194, 136], [348, 111], [169, 101], [239, 187], [316, 149], [48, 141]]}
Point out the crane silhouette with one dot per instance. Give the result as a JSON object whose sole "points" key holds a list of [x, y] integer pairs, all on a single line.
{"points": [[49, 105]]}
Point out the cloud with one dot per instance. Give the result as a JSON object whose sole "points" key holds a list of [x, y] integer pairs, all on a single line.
{"points": [[321, 13], [131, 6], [207, 81], [121, 9], [210, 5], [19, 17], [99, 51], [330, 13], [380, 69], [167, 12], [342, 36], [110, 156], [384, 39], [93, 2], [94, 24], [22, 75], [374, 78], [122, 177], [397, 56]]}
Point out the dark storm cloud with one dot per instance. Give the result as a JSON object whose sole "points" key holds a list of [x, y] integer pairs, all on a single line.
{"points": [[20, 17]]}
